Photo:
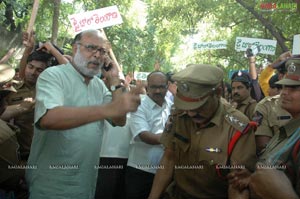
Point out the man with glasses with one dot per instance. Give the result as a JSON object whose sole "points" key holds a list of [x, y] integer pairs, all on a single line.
{"points": [[71, 104], [204, 139], [146, 126]]}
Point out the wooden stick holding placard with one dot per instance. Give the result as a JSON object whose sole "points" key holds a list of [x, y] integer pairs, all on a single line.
{"points": [[33, 17], [111, 53]]}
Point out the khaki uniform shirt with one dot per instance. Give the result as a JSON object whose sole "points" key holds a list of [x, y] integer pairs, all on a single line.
{"points": [[24, 121], [195, 172], [8, 153], [270, 116], [247, 107], [279, 154]]}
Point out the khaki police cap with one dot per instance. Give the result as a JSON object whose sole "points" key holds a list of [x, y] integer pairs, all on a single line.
{"points": [[292, 77], [6, 74], [194, 84]]}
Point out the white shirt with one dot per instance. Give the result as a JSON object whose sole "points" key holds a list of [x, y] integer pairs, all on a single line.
{"points": [[115, 142], [152, 118]]}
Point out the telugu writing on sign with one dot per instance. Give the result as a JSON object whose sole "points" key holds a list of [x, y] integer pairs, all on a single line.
{"points": [[296, 45], [96, 19], [141, 75], [210, 45], [267, 46]]}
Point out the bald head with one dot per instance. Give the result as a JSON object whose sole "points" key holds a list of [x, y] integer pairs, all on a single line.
{"points": [[90, 51], [91, 33]]}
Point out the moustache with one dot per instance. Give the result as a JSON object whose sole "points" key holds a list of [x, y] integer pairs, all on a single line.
{"points": [[198, 116], [236, 95], [100, 64], [158, 95]]}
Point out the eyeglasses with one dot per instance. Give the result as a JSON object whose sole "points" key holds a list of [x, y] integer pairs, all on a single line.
{"points": [[93, 49], [160, 87]]}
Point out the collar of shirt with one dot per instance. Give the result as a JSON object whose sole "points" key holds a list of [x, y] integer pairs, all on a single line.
{"points": [[292, 125], [246, 101], [153, 105], [73, 69]]}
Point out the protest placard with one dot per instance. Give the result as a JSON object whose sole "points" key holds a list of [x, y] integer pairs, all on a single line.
{"points": [[210, 45], [96, 19], [266, 46]]}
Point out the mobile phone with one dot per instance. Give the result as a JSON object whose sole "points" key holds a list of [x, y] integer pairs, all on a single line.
{"points": [[108, 67], [252, 51]]}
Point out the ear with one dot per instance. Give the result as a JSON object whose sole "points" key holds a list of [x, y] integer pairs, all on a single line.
{"points": [[74, 48], [219, 91]]}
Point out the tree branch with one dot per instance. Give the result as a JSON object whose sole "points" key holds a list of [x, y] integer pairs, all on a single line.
{"points": [[277, 34]]}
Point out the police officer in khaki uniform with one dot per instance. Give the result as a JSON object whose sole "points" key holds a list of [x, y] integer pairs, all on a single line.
{"points": [[21, 104], [270, 117], [204, 140], [277, 175], [9, 176], [241, 86]]}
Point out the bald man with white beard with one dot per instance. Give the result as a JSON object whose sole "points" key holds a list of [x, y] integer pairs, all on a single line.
{"points": [[71, 104]]}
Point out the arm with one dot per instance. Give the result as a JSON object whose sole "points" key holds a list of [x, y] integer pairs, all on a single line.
{"points": [[50, 112], [112, 77], [119, 120], [282, 57], [29, 40], [150, 138], [272, 184], [19, 109], [61, 118], [255, 85], [53, 51], [163, 175], [236, 194], [264, 132], [261, 142], [267, 73], [8, 55], [252, 68]]}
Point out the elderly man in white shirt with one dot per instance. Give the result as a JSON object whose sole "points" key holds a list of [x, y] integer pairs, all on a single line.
{"points": [[147, 125]]}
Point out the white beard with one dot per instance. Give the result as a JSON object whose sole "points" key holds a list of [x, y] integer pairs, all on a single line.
{"points": [[81, 64]]}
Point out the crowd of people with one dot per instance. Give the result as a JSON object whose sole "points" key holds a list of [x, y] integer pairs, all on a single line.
{"points": [[74, 127]]}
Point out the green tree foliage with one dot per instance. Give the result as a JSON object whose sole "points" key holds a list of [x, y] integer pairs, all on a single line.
{"points": [[170, 26]]}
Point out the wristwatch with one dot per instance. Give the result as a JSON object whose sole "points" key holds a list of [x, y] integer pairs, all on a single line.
{"points": [[113, 88]]}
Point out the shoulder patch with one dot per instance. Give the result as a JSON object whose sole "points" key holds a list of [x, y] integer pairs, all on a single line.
{"points": [[258, 117], [252, 101], [169, 124]]}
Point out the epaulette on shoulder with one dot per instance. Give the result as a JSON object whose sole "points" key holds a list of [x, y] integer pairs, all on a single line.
{"points": [[18, 84], [236, 119], [270, 98], [252, 101], [264, 100]]}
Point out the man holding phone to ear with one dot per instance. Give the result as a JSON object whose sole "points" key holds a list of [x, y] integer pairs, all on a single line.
{"points": [[71, 104]]}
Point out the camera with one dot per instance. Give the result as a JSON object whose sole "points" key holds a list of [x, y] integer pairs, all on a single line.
{"points": [[252, 51]]}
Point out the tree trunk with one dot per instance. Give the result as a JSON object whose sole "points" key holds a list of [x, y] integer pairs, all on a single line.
{"points": [[56, 9], [268, 25]]}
